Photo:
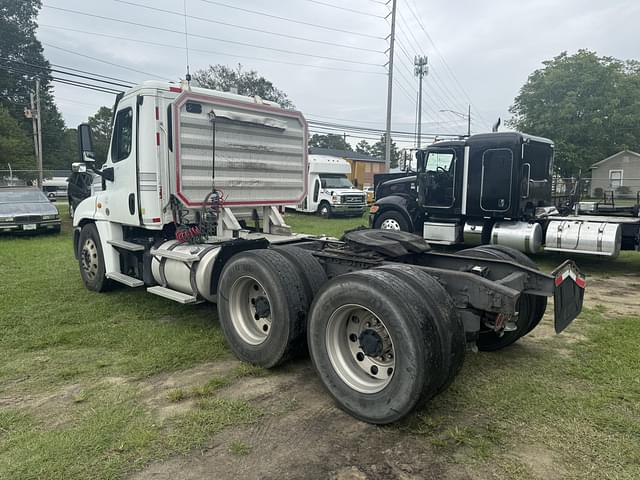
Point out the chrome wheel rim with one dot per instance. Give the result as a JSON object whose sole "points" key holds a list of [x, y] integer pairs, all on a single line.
{"points": [[360, 348], [390, 224], [324, 211], [250, 310], [89, 258]]}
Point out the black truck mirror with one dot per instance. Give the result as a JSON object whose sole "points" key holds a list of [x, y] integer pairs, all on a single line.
{"points": [[84, 143]]}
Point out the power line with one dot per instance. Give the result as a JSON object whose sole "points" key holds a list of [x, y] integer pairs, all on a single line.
{"points": [[450, 71], [359, 12], [212, 52], [162, 29], [243, 27], [105, 62], [300, 22]]}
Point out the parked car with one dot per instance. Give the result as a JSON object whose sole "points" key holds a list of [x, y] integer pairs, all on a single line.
{"points": [[27, 209]]}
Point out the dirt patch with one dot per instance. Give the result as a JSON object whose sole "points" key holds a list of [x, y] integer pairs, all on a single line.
{"points": [[303, 435], [542, 463], [620, 295]]}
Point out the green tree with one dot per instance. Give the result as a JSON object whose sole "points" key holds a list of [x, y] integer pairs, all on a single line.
{"points": [[100, 132], [330, 141], [363, 147], [588, 105], [378, 150], [223, 78], [15, 146], [21, 62]]}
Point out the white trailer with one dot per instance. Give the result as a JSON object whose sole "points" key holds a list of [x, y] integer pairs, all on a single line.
{"points": [[190, 210], [329, 190]]}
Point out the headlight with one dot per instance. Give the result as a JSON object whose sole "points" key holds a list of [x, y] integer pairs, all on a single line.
{"points": [[49, 217], [6, 219], [335, 199]]}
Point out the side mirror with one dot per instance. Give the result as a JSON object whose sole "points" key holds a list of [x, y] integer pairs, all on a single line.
{"points": [[84, 142], [78, 167]]}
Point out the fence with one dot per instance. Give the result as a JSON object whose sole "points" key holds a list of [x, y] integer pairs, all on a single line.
{"points": [[21, 178], [625, 189]]}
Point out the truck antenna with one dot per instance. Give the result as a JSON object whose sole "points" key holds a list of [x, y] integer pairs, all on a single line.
{"points": [[186, 39]]}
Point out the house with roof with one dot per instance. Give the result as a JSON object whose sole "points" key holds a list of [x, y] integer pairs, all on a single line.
{"points": [[363, 166], [619, 173]]}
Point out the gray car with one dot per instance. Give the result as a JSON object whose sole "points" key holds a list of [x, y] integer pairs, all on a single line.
{"points": [[27, 210]]}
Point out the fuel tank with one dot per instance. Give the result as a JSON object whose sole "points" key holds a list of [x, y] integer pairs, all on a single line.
{"points": [[523, 236], [579, 236], [185, 268]]}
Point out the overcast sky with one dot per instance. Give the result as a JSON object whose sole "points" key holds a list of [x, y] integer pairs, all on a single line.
{"points": [[479, 52]]}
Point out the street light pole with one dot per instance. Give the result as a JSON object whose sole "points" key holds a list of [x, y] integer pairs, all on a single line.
{"points": [[466, 116]]}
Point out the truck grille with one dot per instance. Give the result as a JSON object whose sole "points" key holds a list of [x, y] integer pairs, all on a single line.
{"points": [[352, 199], [28, 218]]}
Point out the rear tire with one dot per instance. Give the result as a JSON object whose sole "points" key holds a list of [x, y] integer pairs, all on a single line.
{"points": [[378, 355], [489, 340], [539, 302], [436, 302], [91, 260], [262, 307], [311, 272], [391, 220]]}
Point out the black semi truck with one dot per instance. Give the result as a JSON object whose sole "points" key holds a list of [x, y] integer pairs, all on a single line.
{"points": [[493, 188]]}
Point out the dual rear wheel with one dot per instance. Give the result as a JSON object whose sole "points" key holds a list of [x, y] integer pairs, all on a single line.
{"points": [[377, 354]]}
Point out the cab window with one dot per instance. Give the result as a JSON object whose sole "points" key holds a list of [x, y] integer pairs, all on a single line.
{"points": [[122, 135], [442, 161]]}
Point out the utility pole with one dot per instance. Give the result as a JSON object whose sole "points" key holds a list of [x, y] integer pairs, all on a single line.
{"points": [[421, 69], [38, 109], [392, 38], [469, 121]]}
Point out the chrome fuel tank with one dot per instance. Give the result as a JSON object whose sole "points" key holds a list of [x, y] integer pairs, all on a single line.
{"points": [[523, 236], [579, 236]]}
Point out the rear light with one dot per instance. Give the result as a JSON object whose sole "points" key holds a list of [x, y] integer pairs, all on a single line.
{"points": [[175, 89], [374, 208]]}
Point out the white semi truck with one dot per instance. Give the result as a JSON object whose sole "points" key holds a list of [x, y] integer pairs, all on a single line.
{"points": [[190, 211], [329, 190]]}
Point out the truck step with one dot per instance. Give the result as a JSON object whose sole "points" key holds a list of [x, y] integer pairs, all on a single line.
{"points": [[125, 279], [173, 295], [130, 246], [171, 255]]}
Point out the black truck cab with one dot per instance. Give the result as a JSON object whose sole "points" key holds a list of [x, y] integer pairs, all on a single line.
{"points": [[505, 175]]}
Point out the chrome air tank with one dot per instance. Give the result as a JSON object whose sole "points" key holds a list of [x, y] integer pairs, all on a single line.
{"points": [[523, 236], [185, 268], [579, 236]]}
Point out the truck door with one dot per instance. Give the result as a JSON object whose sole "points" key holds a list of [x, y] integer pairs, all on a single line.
{"points": [[436, 181], [122, 192]]}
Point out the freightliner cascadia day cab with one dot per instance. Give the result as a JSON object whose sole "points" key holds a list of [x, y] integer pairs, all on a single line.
{"points": [[493, 188], [329, 190], [190, 210]]}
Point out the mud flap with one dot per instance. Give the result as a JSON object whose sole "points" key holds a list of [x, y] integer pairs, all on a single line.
{"points": [[568, 295]]}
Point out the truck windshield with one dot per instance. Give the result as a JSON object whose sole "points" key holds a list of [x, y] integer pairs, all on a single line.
{"points": [[335, 181]]}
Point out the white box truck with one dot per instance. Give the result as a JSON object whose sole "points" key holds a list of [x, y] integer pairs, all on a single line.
{"points": [[189, 210], [329, 190]]}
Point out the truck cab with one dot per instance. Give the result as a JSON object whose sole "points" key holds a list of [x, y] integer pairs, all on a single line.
{"points": [[329, 190], [472, 184]]}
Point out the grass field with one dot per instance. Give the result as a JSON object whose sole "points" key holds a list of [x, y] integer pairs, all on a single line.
{"points": [[77, 370]]}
